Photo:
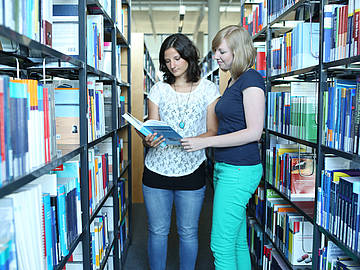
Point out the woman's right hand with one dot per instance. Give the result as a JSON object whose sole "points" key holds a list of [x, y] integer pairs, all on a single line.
{"points": [[151, 140]]}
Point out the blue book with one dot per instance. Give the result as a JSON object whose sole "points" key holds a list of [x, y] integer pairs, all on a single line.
{"points": [[97, 112], [7, 127], [333, 34], [333, 206], [350, 31], [61, 211], [54, 232], [309, 52], [299, 36], [48, 230], [67, 93], [70, 177], [350, 115], [339, 85], [41, 140], [154, 126], [95, 45], [328, 10], [330, 121], [14, 129], [65, 10], [342, 118]]}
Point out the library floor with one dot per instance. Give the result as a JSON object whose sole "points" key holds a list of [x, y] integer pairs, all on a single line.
{"points": [[137, 254]]}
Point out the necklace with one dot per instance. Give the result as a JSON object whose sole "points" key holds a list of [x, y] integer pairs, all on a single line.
{"points": [[182, 122]]}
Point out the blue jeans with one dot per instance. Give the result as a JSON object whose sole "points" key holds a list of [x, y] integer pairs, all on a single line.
{"points": [[158, 203], [234, 186]]}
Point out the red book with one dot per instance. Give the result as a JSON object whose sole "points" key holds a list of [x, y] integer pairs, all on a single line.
{"points": [[46, 124], [104, 172], [90, 194], [345, 25], [357, 33], [302, 177]]}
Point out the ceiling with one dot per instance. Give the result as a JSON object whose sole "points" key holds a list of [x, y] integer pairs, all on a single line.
{"points": [[162, 16]]}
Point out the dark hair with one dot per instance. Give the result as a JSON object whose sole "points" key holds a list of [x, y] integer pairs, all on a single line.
{"points": [[187, 50]]}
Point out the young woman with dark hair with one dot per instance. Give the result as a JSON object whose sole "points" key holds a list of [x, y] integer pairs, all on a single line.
{"points": [[172, 175]]}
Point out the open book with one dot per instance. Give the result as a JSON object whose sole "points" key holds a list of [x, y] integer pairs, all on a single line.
{"points": [[154, 126]]}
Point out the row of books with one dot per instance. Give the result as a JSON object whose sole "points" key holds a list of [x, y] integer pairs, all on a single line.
{"points": [[106, 147], [27, 126], [107, 63], [331, 257], [101, 233], [148, 83], [99, 240], [341, 31], [256, 19], [260, 60], [338, 197], [41, 20], [66, 20], [95, 41], [257, 204], [98, 178], [255, 240], [28, 17], [296, 49], [43, 218], [292, 171], [123, 235], [122, 197], [121, 109], [67, 112], [99, 111], [41, 121], [292, 110], [341, 110], [49, 211], [272, 260], [278, 7], [288, 230], [149, 65], [209, 64]]}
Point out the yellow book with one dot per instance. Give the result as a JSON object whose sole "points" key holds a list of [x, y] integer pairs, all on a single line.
{"points": [[280, 150]]}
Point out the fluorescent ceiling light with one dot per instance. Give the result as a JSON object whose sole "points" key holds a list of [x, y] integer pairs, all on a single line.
{"points": [[182, 10]]}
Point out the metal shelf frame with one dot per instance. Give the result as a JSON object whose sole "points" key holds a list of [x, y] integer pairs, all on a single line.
{"points": [[319, 73], [29, 59]]}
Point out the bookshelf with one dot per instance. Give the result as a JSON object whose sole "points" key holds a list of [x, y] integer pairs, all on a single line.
{"points": [[97, 206], [285, 19], [143, 77]]}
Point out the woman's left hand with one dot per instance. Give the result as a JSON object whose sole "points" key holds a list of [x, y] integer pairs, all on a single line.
{"points": [[192, 144]]}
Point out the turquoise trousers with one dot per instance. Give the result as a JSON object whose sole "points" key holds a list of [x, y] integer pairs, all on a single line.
{"points": [[234, 186]]}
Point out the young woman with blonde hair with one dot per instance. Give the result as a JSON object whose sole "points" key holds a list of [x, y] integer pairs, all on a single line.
{"points": [[238, 169]]}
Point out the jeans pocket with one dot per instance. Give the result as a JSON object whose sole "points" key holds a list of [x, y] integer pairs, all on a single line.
{"points": [[249, 177]]}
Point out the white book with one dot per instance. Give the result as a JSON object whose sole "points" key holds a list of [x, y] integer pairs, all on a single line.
{"points": [[66, 37], [9, 20], [2, 13], [28, 225], [47, 183], [7, 233]]}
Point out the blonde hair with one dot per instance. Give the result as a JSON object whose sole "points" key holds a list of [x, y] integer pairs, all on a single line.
{"points": [[239, 41]]}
